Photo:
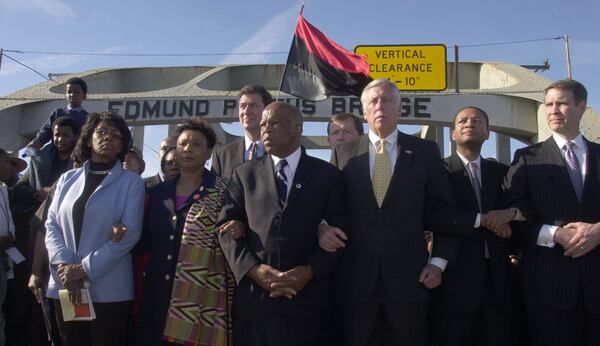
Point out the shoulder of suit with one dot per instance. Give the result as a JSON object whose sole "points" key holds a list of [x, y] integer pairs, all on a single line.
{"points": [[230, 147], [320, 163]]}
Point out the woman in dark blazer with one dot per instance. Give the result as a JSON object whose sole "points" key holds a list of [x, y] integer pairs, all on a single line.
{"points": [[188, 286]]}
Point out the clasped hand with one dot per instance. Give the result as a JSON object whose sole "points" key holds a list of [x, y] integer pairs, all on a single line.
{"points": [[578, 238], [497, 221], [281, 284], [71, 277]]}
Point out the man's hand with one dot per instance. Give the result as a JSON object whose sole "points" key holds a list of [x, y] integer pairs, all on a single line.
{"points": [[298, 277], [503, 230], [331, 238], [265, 276], [495, 218], [34, 284], [234, 228], [431, 276], [586, 238], [563, 236], [117, 232]]}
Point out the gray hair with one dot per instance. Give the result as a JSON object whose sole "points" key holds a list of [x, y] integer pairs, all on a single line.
{"points": [[381, 82]]}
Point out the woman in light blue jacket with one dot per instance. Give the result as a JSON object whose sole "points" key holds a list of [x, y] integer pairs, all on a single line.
{"points": [[88, 201]]}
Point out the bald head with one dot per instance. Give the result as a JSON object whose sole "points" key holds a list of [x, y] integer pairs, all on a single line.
{"points": [[281, 128]]}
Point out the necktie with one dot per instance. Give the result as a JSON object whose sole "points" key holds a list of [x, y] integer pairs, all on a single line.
{"points": [[281, 181], [574, 169], [477, 188], [476, 183], [252, 154], [382, 171]]}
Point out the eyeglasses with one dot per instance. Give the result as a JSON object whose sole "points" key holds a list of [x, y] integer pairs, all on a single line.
{"points": [[111, 134]]}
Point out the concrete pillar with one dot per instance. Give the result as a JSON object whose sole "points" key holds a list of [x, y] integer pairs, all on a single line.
{"points": [[172, 129], [138, 137], [503, 148], [434, 133]]}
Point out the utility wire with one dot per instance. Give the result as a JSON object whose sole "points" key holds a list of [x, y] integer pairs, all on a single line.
{"points": [[141, 54], [244, 53], [28, 67], [511, 42]]}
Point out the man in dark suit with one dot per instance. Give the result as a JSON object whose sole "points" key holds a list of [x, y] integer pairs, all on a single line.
{"points": [[165, 145], [474, 303], [396, 187], [556, 185], [252, 99], [278, 202]]}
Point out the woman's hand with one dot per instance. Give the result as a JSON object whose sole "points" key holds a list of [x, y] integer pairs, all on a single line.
{"points": [[117, 232], [74, 289], [69, 273]]}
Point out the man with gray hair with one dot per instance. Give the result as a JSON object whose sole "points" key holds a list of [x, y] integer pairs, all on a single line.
{"points": [[396, 187]]}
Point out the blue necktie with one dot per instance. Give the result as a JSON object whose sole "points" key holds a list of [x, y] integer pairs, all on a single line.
{"points": [[281, 182], [574, 169]]}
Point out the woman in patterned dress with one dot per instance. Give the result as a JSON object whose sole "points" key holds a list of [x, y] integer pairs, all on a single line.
{"points": [[188, 286]]}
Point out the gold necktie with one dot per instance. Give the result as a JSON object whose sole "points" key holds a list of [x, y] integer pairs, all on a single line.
{"points": [[382, 171]]}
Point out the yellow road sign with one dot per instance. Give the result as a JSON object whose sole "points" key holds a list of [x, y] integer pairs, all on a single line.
{"points": [[411, 67]]}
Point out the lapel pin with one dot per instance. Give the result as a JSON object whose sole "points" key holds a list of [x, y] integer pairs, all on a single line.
{"points": [[298, 185], [409, 152]]}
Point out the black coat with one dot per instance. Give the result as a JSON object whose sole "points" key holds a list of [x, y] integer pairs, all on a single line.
{"points": [[538, 184], [227, 157], [390, 239]]}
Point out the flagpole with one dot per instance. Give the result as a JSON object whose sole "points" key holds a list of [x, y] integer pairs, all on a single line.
{"points": [[288, 58]]}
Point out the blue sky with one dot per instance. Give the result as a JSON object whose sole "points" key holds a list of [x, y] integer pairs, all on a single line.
{"points": [[179, 26]]}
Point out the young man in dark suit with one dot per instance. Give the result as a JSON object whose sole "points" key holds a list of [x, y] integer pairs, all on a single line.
{"points": [[556, 185], [278, 202], [252, 99], [474, 303], [396, 188]]}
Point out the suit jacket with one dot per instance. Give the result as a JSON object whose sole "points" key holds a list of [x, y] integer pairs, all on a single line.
{"points": [[118, 198], [390, 239], [463, 280], [282, 237], [152, 181], [227, 157], [538, 184]]}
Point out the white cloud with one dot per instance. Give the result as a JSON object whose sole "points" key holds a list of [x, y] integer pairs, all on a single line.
{"points": [[275, 35], [54, 8], [48, 63]]}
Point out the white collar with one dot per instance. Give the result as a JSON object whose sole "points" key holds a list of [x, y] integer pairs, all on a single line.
{"points": [[465, 161], [291, 159], [248, 142], [392, 138], [561, 141]]}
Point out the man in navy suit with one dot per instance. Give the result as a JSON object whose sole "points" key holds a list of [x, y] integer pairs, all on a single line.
{"points": [[556, 185], [396, 188], [252, 99], [278, 202], [474, 303]]}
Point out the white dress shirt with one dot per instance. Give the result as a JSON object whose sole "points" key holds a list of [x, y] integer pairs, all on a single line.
{"points": [[260, 148], [391, 147], [546, 234]]}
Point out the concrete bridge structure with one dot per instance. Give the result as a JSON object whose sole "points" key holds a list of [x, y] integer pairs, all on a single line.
{"points": [[512, 96]]}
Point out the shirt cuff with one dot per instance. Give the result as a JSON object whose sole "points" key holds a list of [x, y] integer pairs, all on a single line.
{"points": [[439, 262], [546, 236], [477, 221], [518, 215]]}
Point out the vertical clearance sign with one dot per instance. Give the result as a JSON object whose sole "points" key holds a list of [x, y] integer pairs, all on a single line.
{"points": [[416, 67]]}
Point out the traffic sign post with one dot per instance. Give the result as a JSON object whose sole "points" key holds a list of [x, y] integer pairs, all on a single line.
{"points": [[411, 67]]}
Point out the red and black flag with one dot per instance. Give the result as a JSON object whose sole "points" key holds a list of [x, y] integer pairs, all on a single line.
{"points": [[317, 67]]}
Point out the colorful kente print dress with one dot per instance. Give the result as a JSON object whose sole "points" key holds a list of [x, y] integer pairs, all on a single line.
{"points": [[200, 307]]}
